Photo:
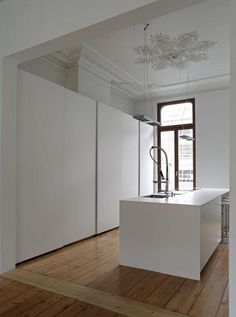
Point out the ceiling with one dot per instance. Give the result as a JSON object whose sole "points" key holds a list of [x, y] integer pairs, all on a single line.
{"points": [[210, 19], [112, 56]]}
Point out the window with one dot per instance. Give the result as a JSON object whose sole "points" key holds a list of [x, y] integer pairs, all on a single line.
{"points": [[177, 137], [181, 113]]}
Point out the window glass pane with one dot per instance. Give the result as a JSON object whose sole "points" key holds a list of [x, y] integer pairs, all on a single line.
{"points": [[181, 113], [185, 161], [167, 143]]}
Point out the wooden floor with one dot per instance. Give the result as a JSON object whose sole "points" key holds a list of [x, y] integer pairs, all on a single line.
{"points": [[63, 279]]}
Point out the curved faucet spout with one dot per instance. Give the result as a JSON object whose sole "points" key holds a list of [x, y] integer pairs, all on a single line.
{"points": [[166, 179]]}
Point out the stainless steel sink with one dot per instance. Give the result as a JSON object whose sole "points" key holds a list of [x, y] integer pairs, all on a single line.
{"points": [[180, 192], [156, 196], [163, 195]]}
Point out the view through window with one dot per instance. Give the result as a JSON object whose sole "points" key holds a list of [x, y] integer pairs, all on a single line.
{"points": [[177, 137]]}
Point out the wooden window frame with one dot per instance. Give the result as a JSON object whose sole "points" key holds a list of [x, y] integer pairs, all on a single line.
{"points": [[176, 129]]}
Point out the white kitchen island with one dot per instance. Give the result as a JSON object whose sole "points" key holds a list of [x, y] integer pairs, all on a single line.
{"points": [[175, 236]]}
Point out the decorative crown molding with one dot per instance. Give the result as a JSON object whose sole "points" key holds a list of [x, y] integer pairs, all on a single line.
{"points": [[190, 87], [104, 68], [88, 59]]}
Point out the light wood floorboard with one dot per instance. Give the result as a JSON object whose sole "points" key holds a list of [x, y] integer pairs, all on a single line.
{"points": [[114, 303], [94, 263]]}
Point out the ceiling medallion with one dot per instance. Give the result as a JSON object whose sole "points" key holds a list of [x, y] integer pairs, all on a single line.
{"points": [[163, 51]]}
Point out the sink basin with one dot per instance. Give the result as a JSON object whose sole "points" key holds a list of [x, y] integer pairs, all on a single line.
{"points": [[163, 195], [155, 196], [179, 192]]}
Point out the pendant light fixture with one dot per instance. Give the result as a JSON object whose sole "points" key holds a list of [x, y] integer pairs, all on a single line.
{"points": [[163, 51], [185, 136], [146, 85]]}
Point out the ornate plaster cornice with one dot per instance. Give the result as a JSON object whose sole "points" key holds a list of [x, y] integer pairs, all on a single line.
{"points": [[88, 59], [191, 87]]}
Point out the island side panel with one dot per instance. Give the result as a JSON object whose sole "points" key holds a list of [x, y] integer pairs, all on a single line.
{"points": [[161, 237], [210, 229]]}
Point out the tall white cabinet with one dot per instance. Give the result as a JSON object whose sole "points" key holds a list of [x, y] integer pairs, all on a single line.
{"points": [[75, 160], [129, 157], [56, 167], [79, 167], [146, 163], [39, 166], [109, 140], [117, 163]]}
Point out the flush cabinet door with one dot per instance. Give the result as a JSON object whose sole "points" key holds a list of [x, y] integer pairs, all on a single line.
{"points": [[39, 183], [129, 157], [109, 136], [56, 166], [146, 163], [79, 167], [117, 164]]}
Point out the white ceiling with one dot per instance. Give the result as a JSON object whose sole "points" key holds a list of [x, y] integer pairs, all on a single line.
{"points": [[113, 52], [210, 19]]}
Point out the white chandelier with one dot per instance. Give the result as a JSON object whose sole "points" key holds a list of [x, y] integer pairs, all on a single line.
{"points": [[163, 51]]}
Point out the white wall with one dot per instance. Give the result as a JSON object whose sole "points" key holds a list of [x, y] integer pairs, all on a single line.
{"points": [[212, 135], [35, 22], [212, 139], [232, 282]]}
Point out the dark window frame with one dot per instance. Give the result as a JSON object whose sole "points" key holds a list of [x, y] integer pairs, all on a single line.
{"points": [[176, 129]]}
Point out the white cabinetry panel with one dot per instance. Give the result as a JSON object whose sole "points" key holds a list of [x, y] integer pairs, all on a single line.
{"points": [[129, 162], [109, 134], [39, 166], [146, 163], [117, 164], [79, 168], [210, 229]]}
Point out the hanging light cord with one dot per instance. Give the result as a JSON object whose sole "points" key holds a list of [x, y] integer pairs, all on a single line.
{"points": [[146, 78], [187, 96]]}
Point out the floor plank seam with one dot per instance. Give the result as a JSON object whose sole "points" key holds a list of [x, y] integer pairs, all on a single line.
{"points": [[202, 287], [133, 286], [174, 294], [226, 285], [101, 299], [145, 298]]}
